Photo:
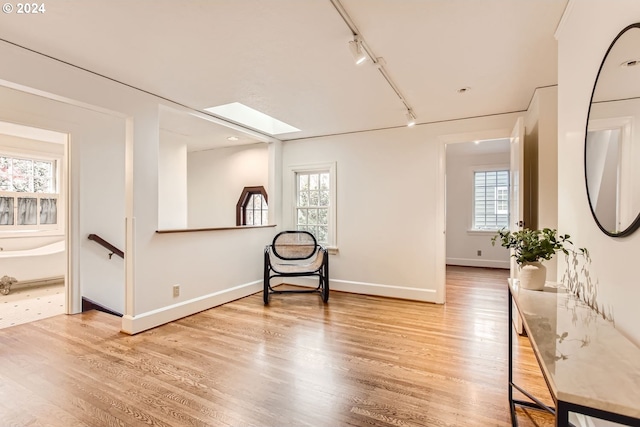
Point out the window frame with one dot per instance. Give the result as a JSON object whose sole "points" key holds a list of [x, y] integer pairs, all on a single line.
{"points": [[488, 168], [56, 160], [241, 206], [330, 167], [31, 158]]}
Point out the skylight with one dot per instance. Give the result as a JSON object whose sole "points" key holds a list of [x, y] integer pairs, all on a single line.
{"points": [[247, 116]]}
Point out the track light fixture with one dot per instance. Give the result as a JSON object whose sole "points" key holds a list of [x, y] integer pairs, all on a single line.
{"points": [[362, 52], [357, 50], [411, 118]]}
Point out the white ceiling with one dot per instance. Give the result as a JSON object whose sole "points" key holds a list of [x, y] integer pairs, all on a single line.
{"points": [[289, 58], [473, 148], [616, 82]]}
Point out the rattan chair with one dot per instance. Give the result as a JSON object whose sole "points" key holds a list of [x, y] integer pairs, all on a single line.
{"points": [[296, 254]]}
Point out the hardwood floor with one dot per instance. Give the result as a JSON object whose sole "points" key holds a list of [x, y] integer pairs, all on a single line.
{"points": [[357, 361]]}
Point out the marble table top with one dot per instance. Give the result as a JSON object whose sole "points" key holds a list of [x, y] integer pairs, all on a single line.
{"points": [[584, 358]]}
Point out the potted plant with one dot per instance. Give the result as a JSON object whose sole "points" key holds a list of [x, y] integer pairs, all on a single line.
{"points": [[530, 248]]}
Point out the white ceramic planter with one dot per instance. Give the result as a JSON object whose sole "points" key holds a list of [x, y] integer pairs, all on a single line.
{"points": [[533, 276]]}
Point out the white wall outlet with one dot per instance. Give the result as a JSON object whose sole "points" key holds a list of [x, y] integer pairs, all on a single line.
{"points": [[176, 290]]}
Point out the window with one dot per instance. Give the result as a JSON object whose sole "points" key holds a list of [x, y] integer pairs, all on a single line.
{"points": [[26, 175], [491, 200], [314, 203], [252, 207], [28, 193]]}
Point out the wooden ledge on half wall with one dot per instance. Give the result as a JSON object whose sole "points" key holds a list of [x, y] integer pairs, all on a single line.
{"points": [[238, 227]]}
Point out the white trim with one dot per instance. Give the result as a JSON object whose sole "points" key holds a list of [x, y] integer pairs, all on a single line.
{"points": [[290, 186], [624, 123], [72, 232], [142, 322], [34, 133], [565, 17], [364, 288], [130, 223], [485, 232], [57, 160], [333, 250], [468, 262], [441, 200], [624, 211], [441, 227], [482, 168]]}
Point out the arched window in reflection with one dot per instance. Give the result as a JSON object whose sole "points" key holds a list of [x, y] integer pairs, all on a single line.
{"points": [[252, 207]]}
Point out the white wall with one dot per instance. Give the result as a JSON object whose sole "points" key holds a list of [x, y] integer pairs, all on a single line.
{"points": [[390, 203], [97, 175], [216, 179], [211, 267], [172, 181], [543, 116], [462, 243], [583, 40]]}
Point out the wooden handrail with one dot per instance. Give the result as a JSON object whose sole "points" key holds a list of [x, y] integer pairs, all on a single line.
{"points": [[107, 245]]}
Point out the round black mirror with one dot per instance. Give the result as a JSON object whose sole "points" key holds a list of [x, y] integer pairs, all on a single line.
{"points": [[612, 140]]}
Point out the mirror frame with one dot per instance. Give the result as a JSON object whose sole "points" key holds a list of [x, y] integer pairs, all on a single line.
{"points": [[636, 222]]}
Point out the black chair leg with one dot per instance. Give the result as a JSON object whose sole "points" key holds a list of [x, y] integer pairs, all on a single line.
{"points": [[265, 288]]}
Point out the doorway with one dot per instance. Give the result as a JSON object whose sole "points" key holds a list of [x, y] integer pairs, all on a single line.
{"points": [[476, 201], [95, 185], [33, 218]]}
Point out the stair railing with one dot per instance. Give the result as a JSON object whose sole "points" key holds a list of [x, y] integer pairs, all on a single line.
{"points": [[99, 240]]}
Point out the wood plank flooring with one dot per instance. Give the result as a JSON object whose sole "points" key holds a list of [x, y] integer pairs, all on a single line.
{"points": [[357, 361]]}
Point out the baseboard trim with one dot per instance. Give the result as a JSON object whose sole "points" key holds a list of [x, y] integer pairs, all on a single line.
{"points": [[467, 262], [135, 324], [144, 321], [376, 289]]}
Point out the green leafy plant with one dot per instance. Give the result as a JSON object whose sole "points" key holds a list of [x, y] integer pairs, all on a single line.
{"points": [[533, 245]]}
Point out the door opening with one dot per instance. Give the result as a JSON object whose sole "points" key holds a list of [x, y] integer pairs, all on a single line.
{"points": [[33, 223], [476, 202]]}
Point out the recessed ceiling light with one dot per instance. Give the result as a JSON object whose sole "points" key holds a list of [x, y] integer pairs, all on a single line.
{"points": [[630, 63], [476, 142], [232, 138], [464, 89], [255, 119]]}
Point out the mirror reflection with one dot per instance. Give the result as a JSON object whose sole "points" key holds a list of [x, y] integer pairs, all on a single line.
{"points": [[612, 146], [203, 168]]}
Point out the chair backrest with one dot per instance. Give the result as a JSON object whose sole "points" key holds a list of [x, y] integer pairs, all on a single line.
{"points": [[294, 245]]}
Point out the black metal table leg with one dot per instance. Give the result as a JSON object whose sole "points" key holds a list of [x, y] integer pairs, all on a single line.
{"points": [[562, 415], [512, 406]]}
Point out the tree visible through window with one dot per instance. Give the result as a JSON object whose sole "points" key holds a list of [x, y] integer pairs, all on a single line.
{"points": [[312, 204], [26, 175], [28, 193], [491, 200]]}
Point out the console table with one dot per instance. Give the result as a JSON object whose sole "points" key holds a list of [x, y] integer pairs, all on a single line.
{"points": [[590, 368]]}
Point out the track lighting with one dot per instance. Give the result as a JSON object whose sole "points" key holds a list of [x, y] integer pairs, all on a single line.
{"points": [[357, 50], [362, 52], [411, 118]]}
